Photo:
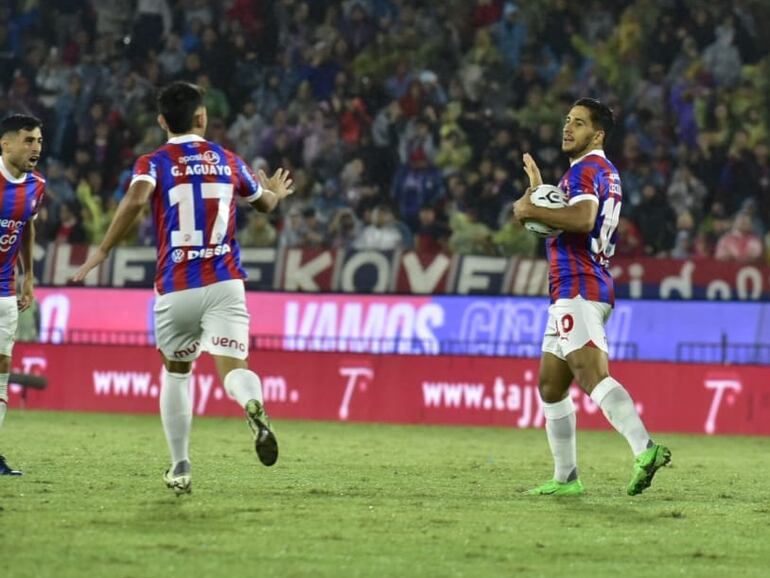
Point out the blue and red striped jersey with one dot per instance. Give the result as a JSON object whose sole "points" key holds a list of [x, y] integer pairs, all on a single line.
{"points": [[579, 262], [196, 182], [19, 203]]}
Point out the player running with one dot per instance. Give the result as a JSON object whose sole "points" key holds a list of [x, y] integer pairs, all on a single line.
{"points": [[582, 297], [192, 185], [21, 190]]}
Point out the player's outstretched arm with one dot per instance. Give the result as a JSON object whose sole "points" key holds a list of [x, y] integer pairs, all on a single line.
{"points": [[274, 189], [129, 208], [27, 248]]}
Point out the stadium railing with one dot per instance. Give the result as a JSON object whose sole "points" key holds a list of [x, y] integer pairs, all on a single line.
{"points": [[376, 345], [724, 352]]}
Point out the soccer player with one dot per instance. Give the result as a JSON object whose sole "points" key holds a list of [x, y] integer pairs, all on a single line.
{"points": [[21, 190], [582, 297], [192, 185]]}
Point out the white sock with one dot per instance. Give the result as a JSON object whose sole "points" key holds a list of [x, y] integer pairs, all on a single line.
{"points": [[560, 424], [176, 413], [618, 408], [3, 397], [243, 385]]}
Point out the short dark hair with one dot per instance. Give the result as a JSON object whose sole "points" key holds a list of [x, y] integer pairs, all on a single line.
{"points": [[17, 122], [178, 102], [601, 114]]}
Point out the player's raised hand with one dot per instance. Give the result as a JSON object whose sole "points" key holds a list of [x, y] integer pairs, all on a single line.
{"points": [[279, 183], [94, 260], [532, 170]]}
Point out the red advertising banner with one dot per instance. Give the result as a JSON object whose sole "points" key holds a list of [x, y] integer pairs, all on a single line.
{"points": [[411, 272], [398, 389]]}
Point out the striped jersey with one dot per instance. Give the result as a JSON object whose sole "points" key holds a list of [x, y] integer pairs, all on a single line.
{"points": [[579, 262], [193, 205], [19, 203]]}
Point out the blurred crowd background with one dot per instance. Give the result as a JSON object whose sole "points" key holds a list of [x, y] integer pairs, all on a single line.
{"points": [[403, 122]]}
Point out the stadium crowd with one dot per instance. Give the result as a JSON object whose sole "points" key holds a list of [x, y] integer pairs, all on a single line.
{"points": [[403, 122]]}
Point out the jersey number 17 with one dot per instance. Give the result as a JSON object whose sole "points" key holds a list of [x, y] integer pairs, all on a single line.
{"points": [[188, 235]]}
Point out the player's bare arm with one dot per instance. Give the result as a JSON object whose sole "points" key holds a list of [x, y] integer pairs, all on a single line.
{"points": [[26, 253], [577, 218], [129, 208], [274, 189]]}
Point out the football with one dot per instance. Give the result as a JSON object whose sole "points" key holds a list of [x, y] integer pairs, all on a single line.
{"points": [[550, 197]]}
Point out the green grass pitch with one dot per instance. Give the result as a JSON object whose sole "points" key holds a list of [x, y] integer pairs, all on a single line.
{"points": [[369, 500]]}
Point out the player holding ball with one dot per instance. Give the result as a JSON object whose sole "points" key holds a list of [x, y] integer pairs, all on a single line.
{"points": [[582, 296]]}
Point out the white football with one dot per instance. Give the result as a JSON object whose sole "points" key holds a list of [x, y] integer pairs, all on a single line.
{"points": [[550, 197]]}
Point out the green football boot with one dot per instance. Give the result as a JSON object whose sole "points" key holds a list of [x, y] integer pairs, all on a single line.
{"points": [[554, 488], [646, 465]]}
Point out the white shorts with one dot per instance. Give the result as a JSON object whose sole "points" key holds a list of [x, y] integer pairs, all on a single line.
{"points": [[212, 318], [9, 319], [575, 323]]}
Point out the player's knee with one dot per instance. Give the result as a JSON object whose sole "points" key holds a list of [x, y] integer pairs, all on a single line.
{"points": [[5, 364], [550, 392]]}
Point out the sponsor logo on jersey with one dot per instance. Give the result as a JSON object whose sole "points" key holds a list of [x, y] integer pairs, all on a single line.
{"points": [[8, 238], [211, 157], [179, 255], [228, 342], [11, 224]]}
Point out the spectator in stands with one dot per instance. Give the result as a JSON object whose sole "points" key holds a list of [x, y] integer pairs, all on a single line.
{"points": [[469, 235], [684, 244], [454, 152], [313, 227], [686, 192], [510, 35], [447, 85], [258, 231], [722, 59], [416, 184], [344, 229], [657, 222], [69, 228], [740, 244], [382, 234], [216, 102], [630, 242], [432, 234], [292, 232], [714, 224], [172, 57], [513, 240]]}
